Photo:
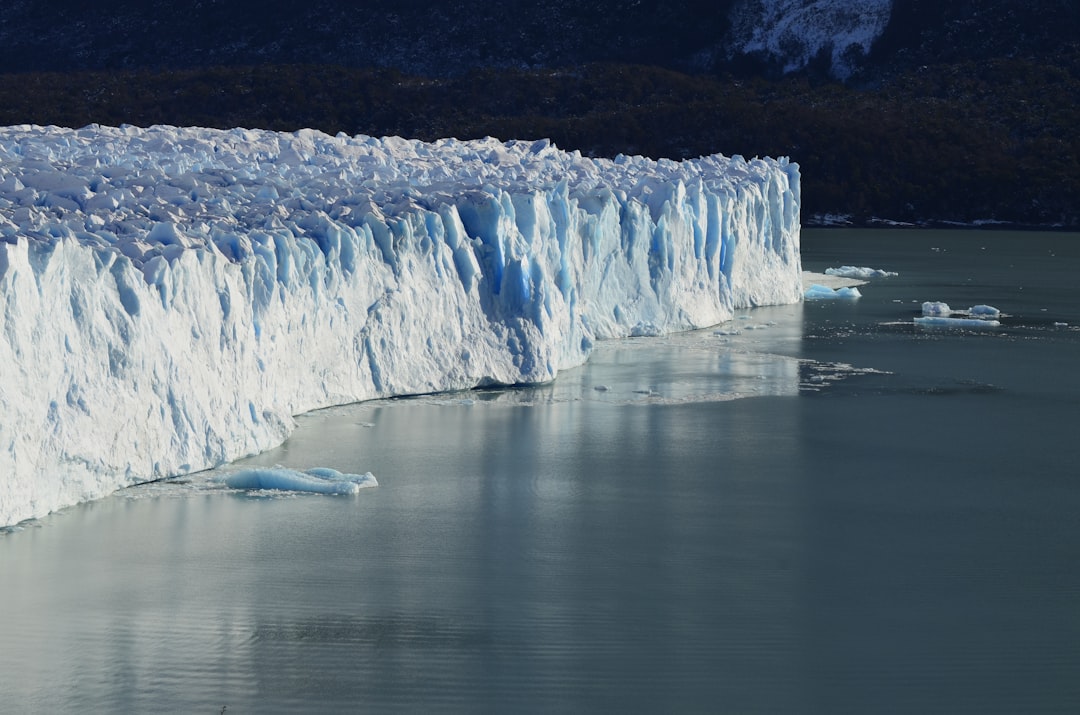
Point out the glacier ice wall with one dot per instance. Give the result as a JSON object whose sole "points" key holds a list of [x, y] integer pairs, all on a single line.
{"points": [[171, 297]]}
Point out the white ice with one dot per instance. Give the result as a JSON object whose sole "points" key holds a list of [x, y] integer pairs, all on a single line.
{"points": [[859, 272], [938, 321], [936, 308], [171, 297], [983, 312], [938, 314]]}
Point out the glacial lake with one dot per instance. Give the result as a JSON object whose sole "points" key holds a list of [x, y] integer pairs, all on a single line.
{"points": [[818, 508]]}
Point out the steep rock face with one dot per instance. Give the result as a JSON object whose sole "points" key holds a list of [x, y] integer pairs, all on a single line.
{"points": [[170, 298]]}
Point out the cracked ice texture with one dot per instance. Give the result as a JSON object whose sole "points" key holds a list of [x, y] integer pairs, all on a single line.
{"points": [[171, 297]]}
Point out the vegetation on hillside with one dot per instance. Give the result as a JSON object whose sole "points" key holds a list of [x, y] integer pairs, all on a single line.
{"points": [[996, 140]]}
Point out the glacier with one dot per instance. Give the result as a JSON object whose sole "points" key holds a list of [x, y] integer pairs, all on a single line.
{"points": [[171, 297]]}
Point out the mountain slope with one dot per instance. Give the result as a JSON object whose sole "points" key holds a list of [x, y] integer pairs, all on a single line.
{"points": [[963, 110]]}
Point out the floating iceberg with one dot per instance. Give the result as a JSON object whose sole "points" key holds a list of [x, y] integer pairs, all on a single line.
{"points": [[171, 297], [320, 480], [936, 308], [984, 311], [975, 316], [937, 321], [939, 315], [861, 273], [820, 292]]}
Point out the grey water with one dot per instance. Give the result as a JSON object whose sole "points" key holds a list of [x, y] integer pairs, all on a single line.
{"points": [[818, 508]]}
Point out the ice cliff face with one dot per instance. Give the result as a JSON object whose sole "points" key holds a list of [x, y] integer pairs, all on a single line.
{"points": [[169, 298]]}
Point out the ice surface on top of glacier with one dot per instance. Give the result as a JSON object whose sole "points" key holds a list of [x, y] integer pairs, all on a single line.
{"points": [[165, 188], [171, 297]]}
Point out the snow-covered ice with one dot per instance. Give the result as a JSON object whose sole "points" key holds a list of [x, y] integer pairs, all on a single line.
{"points": [[933, 307], [938, 314], [171, 297], [984, 311]]}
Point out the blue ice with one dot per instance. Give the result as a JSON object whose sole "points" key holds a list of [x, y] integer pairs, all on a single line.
{"points": [[820, 292], [320, 480]]}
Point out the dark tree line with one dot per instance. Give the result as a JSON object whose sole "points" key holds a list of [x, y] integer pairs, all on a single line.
{"points": [[994, 140]]}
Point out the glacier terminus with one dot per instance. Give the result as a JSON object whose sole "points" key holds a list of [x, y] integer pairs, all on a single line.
{"points": [[171, 297]]}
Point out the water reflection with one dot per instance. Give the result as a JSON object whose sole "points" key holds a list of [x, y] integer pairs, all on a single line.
{"points": [[889, 526]]}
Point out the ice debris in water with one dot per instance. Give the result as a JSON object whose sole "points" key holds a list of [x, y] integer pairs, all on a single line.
{"points": [[943, 322], [938, 314], [859, 272], [820, 292], [984, 311], [320, 480], [172, 297], [936, 308]]}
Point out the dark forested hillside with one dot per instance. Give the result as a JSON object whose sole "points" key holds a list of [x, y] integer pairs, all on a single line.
{"points": [[963, 111], [446, 37]]}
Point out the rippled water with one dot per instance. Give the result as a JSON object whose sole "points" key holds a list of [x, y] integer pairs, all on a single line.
{"points": [[821, 509]]}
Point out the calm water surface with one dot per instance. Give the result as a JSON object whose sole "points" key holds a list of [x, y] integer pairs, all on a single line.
{"points": [[828, 512]]}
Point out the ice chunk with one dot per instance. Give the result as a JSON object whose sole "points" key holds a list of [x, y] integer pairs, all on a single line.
{"points": [[820, 292], [861, 273], [977, 312], [936, 308], [320, 480], [937, 321], [984, 311]]}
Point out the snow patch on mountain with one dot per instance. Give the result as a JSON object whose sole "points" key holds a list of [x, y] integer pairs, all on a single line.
{"points": [[794, 32]]}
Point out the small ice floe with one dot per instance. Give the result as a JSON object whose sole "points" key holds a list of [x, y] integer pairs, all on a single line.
{"points": [[320, 480], [939, 315], [820, 292], [984, 311], [936, 321], [936, 308], [727, 331], [861, 273]]}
